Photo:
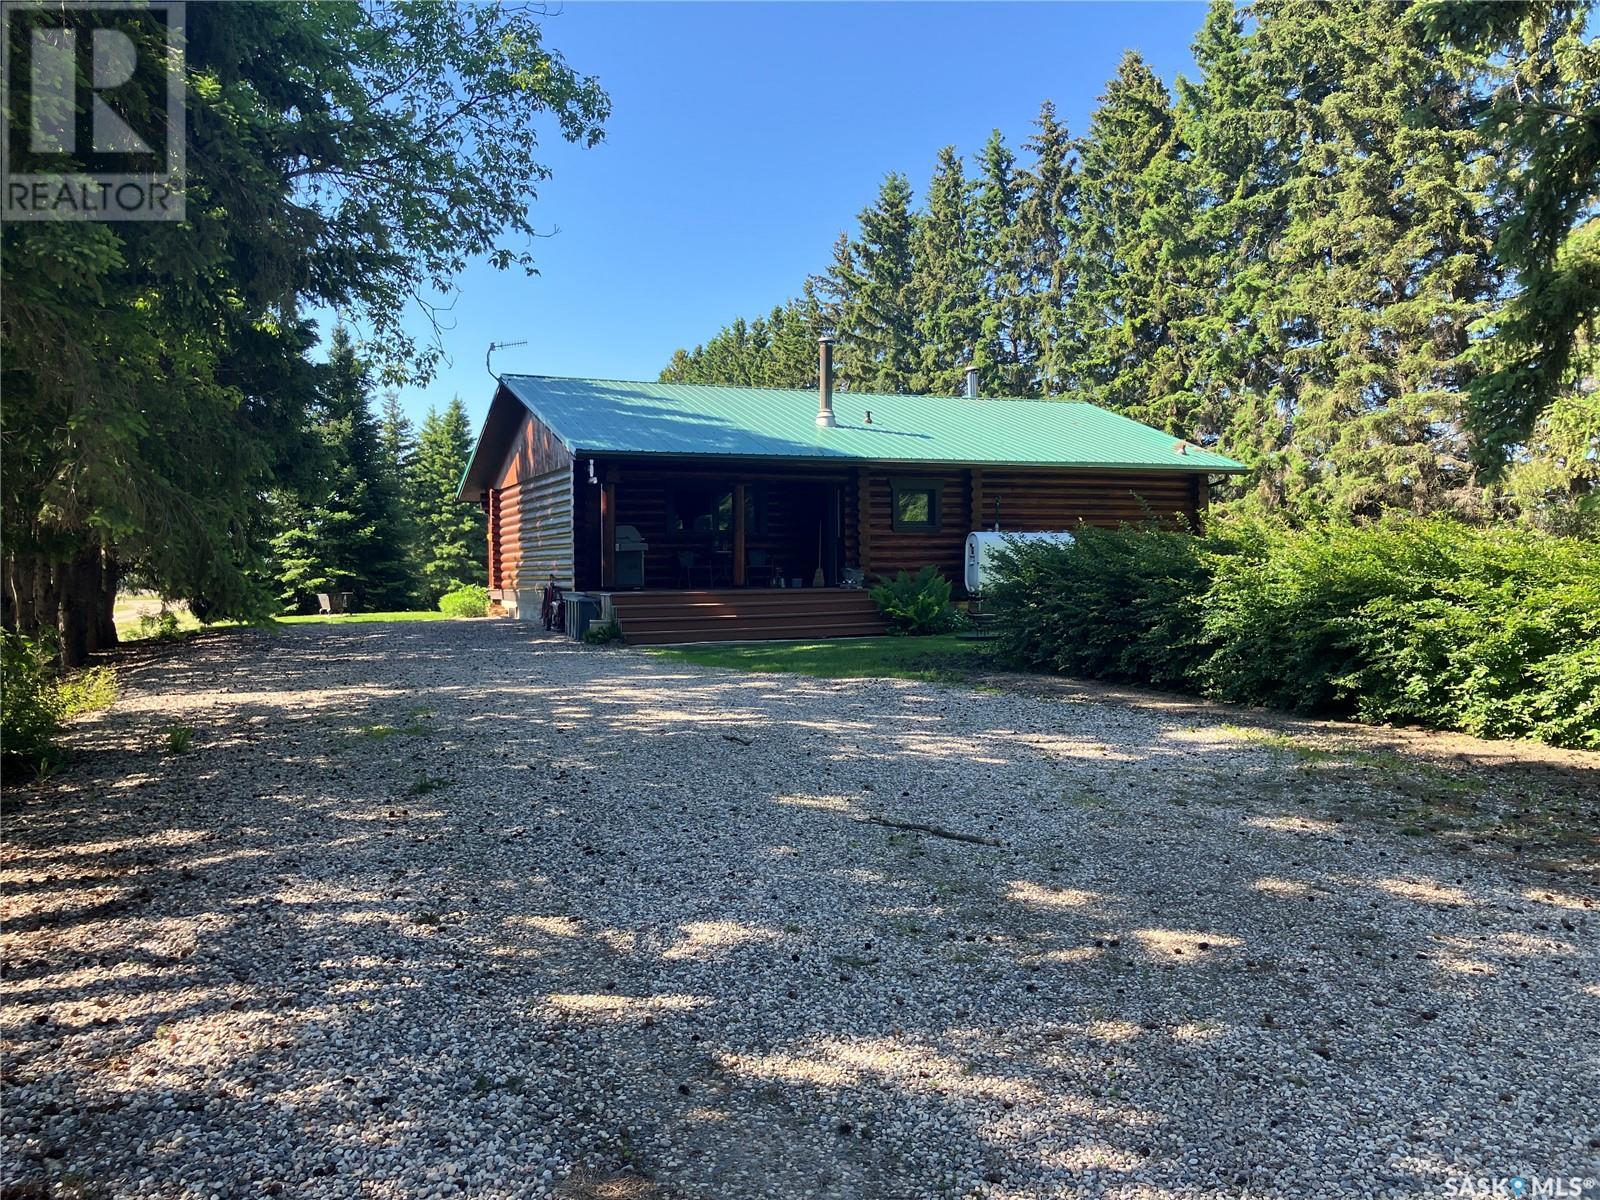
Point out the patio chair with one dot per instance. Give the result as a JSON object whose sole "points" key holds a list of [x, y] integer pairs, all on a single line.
{"points": [[761, 571], [690, 568]]}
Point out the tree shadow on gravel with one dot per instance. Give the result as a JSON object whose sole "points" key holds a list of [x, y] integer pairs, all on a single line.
{"points": [[437, 908]]}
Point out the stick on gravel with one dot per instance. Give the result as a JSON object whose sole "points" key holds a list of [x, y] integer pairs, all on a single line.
{"points": [[915, 827]]}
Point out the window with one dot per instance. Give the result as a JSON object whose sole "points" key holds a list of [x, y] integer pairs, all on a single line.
{"points": [[701, 510], [708, 511], [915, 504]]}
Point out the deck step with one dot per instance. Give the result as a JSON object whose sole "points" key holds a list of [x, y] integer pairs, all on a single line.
{"points": [[721, 615], [776, 625], [717, 612], [679, 637]]}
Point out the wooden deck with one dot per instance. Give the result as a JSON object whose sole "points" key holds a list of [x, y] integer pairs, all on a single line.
{"points": [[661, 618]]}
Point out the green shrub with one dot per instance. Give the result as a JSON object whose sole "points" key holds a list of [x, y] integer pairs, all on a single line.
{"points": [[161, 627], [602, 635], [468, 600], [1114, 604], [35, 699], [29, 715], [916, 604], [180, 739], [1495, 632]]}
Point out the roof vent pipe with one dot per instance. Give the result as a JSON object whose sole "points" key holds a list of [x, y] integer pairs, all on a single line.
{"points": [[825, 419], [972, 383]]}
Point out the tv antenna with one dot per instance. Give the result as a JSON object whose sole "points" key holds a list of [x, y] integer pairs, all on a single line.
{"points": [[493, 346]]}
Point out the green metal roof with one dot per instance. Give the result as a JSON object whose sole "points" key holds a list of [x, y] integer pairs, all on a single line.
{"points": [[604, 416]]}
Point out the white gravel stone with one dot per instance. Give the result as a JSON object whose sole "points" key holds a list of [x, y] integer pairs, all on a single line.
{"points": [[455, 909]]}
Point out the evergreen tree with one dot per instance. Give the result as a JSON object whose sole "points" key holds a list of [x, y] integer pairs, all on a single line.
{"points": [[1538, 75], [1044, 226], [155, 381], [347, 532], [791, 359], [1006, 354], [1383, 265], [451, 536], [1219, 221], [396, 436], [946, 282], [779, 350], [1120, 310], [398, 443], [877, 328], [1554, 483]]}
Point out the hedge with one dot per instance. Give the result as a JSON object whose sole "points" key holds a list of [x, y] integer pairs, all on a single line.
{"points": [[1491, 631], [466, 600]]}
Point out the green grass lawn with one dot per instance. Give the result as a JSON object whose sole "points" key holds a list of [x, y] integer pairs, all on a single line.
{"points": [[360, 617], [944, 659], [129, 628]]}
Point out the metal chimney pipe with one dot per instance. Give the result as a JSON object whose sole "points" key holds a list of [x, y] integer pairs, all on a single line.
{"points": [[825, 419], [972, 383]]}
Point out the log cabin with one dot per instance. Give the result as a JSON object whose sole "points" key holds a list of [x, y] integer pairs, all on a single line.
{"points": [[694, 513]]}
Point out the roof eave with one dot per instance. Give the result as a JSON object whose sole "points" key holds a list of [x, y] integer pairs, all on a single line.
{"points": [[844, 459]]}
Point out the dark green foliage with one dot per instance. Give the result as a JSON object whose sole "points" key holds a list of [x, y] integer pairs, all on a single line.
{"points": [[35, 698], [28, 715], [778, 350], [1492, 632], [1119, 308], [341, 156], [1116, 605], [1359, 252], [916, 604], [1044, 230], [469, 601], [873, 315], [451, 537], [1007, 351], [602, 635], [1539, 72], [946, 281], [346, 531]]}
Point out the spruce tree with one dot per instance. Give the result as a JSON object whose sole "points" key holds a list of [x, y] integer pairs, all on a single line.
{"points": [[346, 531], [946, 282], [396, 435], [451, 538], [877, 329], [1227, 210], [1006, 354], [398, 442], [1534, 72], [1044, 226], [778, 350], [1119, 307], [1381, 269]]}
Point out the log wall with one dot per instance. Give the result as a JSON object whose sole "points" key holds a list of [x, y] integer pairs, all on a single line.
{"points": [[530, 533], [1028, 500], [530, 513]]}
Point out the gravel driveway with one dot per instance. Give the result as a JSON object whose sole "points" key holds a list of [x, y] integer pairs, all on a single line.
{"points": [[452, 909]]}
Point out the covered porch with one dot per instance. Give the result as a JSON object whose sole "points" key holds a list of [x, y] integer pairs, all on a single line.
{"points": [[687, 528]]}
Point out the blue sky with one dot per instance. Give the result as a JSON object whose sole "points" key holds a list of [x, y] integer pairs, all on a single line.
{"points": [[743, 138]]}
